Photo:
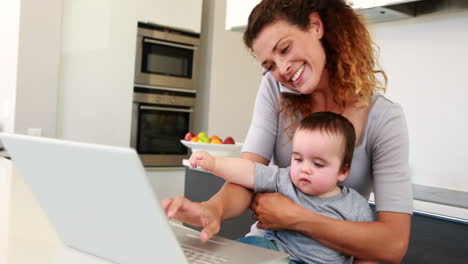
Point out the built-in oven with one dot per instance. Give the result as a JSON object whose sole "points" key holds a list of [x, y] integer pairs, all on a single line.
{"points": [[166, 57], [160, 120]]}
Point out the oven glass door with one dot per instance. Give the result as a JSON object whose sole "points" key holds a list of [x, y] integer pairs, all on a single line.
{"points": [[167, 58], [160, 130]]}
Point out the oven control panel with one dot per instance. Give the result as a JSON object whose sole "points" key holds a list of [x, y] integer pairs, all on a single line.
{"points": [[163, 99]]}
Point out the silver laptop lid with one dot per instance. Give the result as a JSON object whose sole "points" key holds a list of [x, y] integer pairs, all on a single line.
{"points": [[97, 198]]}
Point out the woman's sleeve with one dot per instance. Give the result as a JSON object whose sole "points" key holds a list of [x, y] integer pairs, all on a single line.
{"points": [[390, 162], [263, 129]]}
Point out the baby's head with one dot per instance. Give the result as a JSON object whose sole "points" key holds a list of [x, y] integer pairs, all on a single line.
{"points": [[323, 146]]}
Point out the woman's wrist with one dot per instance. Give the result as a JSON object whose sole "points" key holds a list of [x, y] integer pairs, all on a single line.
{"points": [[214, 206], [298, 217]]}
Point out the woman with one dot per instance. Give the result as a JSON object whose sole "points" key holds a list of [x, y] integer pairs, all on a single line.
{"points": [[322, 50]]}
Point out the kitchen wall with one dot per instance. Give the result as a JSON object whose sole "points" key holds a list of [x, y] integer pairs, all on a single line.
{"points": [[230, 77], [426, 59]]}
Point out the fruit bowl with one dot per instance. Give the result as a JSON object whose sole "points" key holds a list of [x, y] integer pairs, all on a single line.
{"points": [[225, 150]]}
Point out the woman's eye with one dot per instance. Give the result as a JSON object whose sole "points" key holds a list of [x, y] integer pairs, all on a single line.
{"points": [[285, 49]]}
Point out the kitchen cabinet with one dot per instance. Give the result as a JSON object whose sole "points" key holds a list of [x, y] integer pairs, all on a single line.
{"points": [[237, 11], [181, 14], [200, 186], [437, 239], [166, 182]]}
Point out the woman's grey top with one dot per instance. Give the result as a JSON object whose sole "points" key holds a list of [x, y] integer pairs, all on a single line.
{"points": [[380, 161]]}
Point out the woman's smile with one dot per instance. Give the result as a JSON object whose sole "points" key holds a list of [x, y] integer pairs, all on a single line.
{"points": [[297, 76]]}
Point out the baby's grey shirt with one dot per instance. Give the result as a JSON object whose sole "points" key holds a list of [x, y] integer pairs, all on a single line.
{"points": [[349, 205]]}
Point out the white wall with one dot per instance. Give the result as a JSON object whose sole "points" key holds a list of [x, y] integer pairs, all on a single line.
{"points": [[97, 71], [9, 28], [426, 59], [231, 80]]}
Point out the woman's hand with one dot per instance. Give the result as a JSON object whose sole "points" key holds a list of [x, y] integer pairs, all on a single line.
{"points": [[193, 213], [273, 211]]}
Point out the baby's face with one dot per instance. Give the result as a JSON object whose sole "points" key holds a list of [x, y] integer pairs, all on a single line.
{"points": [[316, 162]]}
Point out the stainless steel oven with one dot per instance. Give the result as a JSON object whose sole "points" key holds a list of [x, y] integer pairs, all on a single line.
{"points": [[166, 57], [160, 120]]}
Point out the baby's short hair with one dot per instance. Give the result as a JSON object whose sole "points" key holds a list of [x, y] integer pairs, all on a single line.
{"points": [[335, 124]]}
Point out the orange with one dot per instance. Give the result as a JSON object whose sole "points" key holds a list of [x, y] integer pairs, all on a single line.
{"points": [[215, 141]]}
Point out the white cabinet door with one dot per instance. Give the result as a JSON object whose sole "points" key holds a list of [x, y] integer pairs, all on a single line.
{"points": [[181, 14], [237, 13]]}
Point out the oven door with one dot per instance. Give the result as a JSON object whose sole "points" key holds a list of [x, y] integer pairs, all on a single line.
{"points": [[157, 131], [166, 64]]}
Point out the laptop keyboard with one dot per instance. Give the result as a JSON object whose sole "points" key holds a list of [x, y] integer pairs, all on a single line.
{"points": [[198, 256]]}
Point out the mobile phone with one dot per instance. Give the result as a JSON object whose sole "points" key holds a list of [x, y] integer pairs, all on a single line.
{"points": [[284, 89]]}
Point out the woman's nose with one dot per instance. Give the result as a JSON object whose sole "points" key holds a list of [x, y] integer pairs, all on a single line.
{"points": [[284, 67]]}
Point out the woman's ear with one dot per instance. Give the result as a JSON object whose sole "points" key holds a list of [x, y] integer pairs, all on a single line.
{"points": [[316, 25]]}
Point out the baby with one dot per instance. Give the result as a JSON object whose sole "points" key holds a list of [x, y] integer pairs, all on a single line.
{"points": [[322, 151]]}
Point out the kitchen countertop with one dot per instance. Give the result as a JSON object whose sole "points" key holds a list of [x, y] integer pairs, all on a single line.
{"points": [[440, 195]]}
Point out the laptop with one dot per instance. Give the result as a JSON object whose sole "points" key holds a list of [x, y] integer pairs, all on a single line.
{"points": [[99, 201]]}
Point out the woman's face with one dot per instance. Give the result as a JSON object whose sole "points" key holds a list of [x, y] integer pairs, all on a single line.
{"points": [[295, 57]]}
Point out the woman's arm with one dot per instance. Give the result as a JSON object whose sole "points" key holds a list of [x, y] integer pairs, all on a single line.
{"points": [[383, 240]]}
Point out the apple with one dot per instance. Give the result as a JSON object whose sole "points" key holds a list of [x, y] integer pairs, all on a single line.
{"points": [[204, 140], [189, 136], [229, 140], [202, 135]]}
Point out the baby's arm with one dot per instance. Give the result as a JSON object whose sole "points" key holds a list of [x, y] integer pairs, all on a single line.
{"points": [[234, 170]]}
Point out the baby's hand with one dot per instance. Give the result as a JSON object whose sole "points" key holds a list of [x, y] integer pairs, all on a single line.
{"points": [[202, 159]]}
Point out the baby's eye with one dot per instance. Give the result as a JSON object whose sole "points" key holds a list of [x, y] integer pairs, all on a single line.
{"points": [[318, 165], [298, 160]]}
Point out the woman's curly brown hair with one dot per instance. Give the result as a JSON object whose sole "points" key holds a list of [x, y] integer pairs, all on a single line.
{"points": [[350, 52]]}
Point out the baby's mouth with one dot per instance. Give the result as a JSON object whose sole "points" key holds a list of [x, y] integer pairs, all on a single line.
{"points": [[304, 181]]}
